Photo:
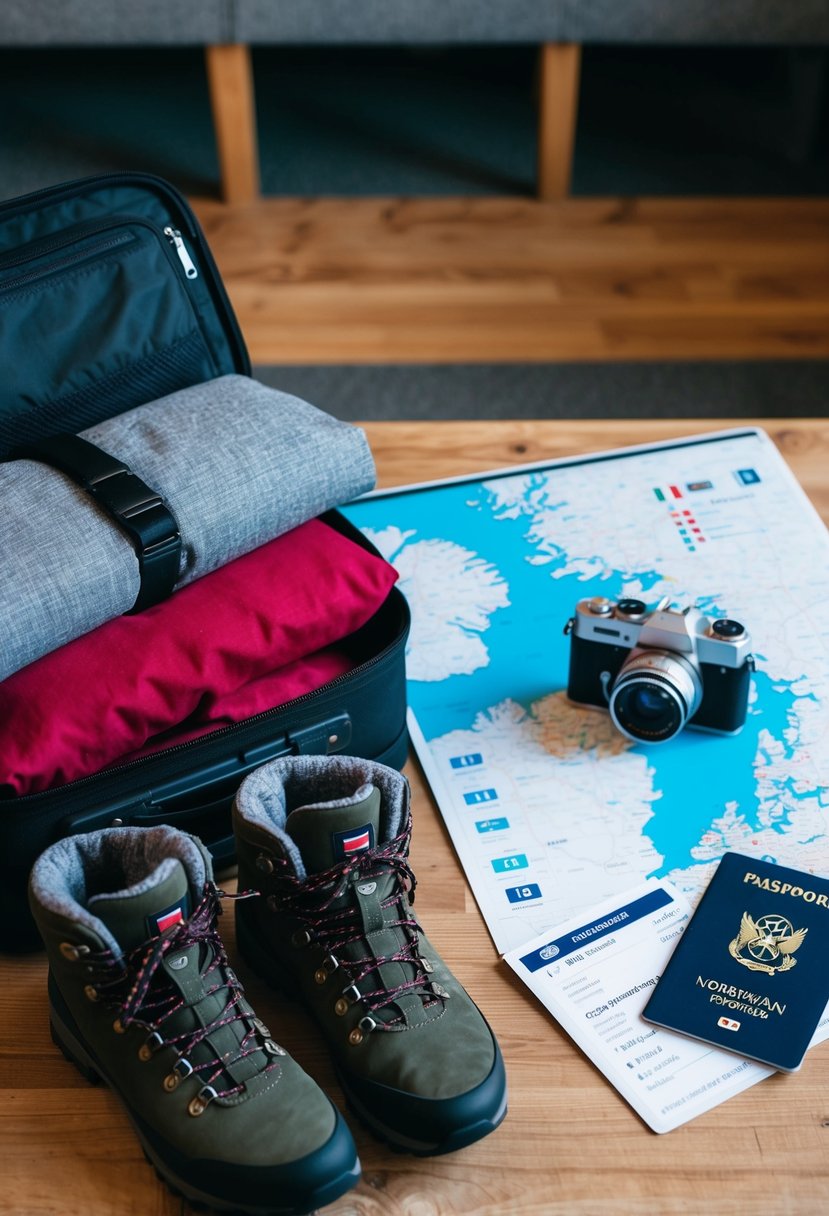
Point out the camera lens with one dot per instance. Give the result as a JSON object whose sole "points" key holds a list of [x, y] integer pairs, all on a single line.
{"points": [[654, 695], [726, 628]]}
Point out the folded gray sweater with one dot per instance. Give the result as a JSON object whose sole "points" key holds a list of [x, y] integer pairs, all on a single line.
{"points": [[237, 463]]}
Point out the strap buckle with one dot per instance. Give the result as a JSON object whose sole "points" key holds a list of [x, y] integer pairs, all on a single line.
{"points": [[137, 509]]}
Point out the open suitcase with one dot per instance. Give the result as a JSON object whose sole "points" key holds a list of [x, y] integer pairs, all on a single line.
{"points": [[172, 327]]}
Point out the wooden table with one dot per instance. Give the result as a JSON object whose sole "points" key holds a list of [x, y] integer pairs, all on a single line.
{"points": [[569, 1144]]}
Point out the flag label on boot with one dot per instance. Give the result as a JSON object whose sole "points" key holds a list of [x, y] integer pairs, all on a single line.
{"points": [[355, 840], [174, 914]]}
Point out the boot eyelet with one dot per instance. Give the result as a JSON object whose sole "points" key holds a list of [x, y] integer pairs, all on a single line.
{"points": [[150, 1046], [301, 937], [330, 964], [352, 994], [320, 975], [273, 1048], [427, 966], [181, 1070], [198, 1105], [355, 1037], [91, 992], [72, 953], [367, 1024], [264, 864], [119, 1027], [341, 1006]]}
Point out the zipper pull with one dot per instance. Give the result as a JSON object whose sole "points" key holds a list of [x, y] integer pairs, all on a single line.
{"points": [[174, 236]]}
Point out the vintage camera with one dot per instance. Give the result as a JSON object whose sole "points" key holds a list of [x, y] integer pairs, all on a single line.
{"points": [[657, 671]]}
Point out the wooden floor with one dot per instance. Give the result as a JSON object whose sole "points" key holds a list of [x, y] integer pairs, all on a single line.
{"points": [[482, 280], [570, 1145]]}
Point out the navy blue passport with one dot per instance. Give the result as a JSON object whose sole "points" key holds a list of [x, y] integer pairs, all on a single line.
{"points": [[749, 973]]}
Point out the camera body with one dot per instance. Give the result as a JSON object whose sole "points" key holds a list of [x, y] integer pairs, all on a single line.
{"points": [[657, 671]]}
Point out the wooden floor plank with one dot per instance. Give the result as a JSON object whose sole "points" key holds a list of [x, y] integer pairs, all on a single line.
{"points": [[487, 280]]}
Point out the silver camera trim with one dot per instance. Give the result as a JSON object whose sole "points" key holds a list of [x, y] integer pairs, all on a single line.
{"points": [[683, 631], [680, 680], [670, 642]]}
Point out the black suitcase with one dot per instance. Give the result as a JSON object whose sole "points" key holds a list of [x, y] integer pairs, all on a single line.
{"points": [[60, 251]]}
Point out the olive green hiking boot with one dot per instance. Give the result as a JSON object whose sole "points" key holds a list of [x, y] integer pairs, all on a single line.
{"points": [[142, 997], [326, 841]]}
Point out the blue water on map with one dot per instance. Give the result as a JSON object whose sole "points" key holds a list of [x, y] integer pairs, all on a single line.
{"points": [[695, 775]]}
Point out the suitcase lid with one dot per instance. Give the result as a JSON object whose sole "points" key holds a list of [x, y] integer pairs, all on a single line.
{"points": [[109, 298]]}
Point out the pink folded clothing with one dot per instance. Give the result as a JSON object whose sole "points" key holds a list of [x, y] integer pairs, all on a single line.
{"points": [[276, 688], [189, 660]]}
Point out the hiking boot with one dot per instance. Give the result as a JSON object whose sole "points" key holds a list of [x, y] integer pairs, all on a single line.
{"points": [[325, 838], [142, 997]]}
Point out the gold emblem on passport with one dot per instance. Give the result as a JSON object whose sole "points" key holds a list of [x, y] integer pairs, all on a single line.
{"points": [[767, 944]]}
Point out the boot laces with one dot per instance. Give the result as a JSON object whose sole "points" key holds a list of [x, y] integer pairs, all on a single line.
{"points": [[141, 990], [326, 907]]}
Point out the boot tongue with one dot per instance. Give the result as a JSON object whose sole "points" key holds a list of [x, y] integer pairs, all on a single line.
{"points": [[327, 833], [148, 908]]}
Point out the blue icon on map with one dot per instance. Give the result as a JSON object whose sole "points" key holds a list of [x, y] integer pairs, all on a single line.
{"points": [[466, 761], [492, 825], [476, 796], [518, 861], [518, 895]]}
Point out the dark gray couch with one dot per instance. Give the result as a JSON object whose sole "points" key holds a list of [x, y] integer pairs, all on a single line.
{"points": [[228, 28]]}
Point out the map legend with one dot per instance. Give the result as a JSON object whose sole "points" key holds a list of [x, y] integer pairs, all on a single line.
{"points": [[475, 797], [668, 493], [689, 529]]}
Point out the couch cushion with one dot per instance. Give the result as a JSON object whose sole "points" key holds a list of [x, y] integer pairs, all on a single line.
{"points": [[396, 21], [114, 22], [740, 22]]}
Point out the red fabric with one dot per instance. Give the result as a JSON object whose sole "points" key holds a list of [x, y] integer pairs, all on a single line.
{"points": [[275, 688], [108, 693]]}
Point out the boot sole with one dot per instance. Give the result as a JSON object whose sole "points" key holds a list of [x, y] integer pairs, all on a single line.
{"points": [[75, 1053], [265, 966], [459, 1138]]}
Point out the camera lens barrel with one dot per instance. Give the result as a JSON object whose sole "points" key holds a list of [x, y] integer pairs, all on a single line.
{"points": [[654, 695]]}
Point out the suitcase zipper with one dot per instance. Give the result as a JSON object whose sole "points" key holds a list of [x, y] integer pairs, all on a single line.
{"points": [[83, 231], [174, 201], [64, 263], [174, 237]]}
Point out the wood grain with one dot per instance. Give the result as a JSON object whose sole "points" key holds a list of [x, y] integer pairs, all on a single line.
{"points": [[570, 1146], [484, 280], [558, 104], [230, 81]]}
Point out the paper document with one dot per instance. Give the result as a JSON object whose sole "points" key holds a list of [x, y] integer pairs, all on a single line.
{"points": [[595, 974]]}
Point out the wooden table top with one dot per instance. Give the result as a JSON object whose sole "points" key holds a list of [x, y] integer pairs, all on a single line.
{"points": [[569, 1144]]}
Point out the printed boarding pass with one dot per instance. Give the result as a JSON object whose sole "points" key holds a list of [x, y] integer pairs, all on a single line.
{"points": [[595, 974]]}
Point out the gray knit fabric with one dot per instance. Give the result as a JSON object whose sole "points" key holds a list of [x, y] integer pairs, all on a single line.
{"points": [[237, 463], [115, 22], [69, 873], [695, 22], [395, 21], [271, 792]]}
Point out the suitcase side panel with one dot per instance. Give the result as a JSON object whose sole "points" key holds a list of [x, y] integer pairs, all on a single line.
{"points": [[109, 298]]}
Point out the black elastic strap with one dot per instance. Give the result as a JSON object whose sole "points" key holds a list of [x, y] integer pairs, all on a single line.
{"points": [[139, 511]]}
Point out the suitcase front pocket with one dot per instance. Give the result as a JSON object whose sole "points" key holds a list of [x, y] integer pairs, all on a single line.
{"points": [[93, 322]]}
